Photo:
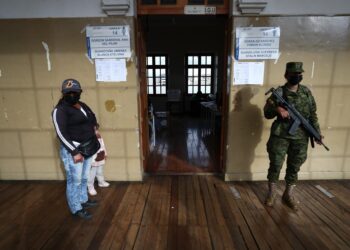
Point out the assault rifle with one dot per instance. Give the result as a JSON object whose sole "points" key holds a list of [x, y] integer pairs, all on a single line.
{"points": [[298, 119]]}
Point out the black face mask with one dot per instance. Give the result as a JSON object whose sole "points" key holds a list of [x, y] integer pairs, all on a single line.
{"points": [[294, 80], [72, 99]]}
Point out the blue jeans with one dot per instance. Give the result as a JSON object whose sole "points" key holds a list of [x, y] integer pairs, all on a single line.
{"points": [[77, 175]]}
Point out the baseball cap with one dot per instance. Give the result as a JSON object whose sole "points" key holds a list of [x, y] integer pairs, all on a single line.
{"points": [[71, 85]]}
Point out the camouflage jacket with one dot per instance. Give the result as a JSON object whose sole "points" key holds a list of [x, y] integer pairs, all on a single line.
{"points": [[303, 101]]}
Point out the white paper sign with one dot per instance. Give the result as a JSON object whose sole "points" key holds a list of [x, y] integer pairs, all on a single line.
{"points": [[108, 41], [122, 31], [258, 32], [110, 53], [257, 43], [110, 70], [248, 73]]}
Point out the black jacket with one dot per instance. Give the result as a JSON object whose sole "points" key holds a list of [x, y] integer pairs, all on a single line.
{"points": [[71, 124]]}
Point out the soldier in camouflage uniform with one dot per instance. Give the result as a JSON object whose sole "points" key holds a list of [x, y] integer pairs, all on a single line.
{"points": [[281, 143]]}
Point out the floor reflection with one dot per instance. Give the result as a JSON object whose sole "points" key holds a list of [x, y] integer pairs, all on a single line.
{"points": [[197, 152], [182, 147]]}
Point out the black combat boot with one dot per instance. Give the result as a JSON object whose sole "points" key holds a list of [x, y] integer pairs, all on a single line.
{"points": [[271, 195]]}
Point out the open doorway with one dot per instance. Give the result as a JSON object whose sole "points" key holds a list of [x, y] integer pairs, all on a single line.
{"points": [[185, 77]]}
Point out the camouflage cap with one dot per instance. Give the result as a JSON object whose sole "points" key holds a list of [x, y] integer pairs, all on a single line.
{"points": [[296, 67], [71, 85]]}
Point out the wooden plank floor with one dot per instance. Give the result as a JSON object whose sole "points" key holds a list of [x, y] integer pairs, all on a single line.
{"points": [[175, 212]]}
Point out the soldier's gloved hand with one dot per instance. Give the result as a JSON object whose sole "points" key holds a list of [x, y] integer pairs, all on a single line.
{"points": [[282, 112]]}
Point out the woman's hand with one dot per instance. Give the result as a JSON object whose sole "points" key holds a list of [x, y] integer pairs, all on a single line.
{"points": [[78, 158]]}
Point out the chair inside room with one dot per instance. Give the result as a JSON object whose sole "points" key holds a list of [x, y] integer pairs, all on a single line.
{"points": [[174, 103]]}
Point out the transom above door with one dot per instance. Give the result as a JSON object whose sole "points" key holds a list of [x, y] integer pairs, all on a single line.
{"points": [[198, 7]]}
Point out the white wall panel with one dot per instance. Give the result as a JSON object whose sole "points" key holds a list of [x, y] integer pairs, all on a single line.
{"points": [[12, 9], [302, 7]]}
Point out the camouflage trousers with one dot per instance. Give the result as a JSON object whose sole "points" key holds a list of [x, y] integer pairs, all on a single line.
{"points": [[296, 151]]}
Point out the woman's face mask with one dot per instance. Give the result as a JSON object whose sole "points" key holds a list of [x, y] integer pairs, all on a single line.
{"points": [[72, 98], [295, 79]]}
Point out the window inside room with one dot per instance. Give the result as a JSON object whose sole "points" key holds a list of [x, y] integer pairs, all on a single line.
{"points": [[199, 73], [157, 74]]}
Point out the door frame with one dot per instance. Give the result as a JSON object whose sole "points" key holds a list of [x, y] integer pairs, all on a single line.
{"points": [[225, 94], [143, 102], [142, 95]]}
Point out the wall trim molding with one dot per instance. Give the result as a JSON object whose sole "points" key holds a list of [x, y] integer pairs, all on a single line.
{"points": [[261, 176]]}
